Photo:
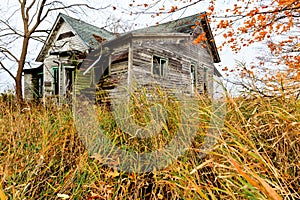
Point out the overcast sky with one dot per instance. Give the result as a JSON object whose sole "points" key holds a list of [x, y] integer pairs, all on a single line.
{"points": [[104, 17]]}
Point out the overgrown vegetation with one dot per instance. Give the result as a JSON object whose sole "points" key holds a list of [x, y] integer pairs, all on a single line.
{"points": [[257, 156]]}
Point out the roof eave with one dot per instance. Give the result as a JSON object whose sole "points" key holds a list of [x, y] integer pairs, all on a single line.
{"points": [[40, 56], [210, 39]]}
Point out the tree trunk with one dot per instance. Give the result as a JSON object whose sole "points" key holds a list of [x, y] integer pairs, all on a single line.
{"points": [[21, 65], [18, 82]]}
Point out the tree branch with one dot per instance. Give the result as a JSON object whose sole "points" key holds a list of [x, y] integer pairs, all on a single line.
{"points": [[259, 13], [7, 70], [10, 28], [41, 18], [29, 7], [4, 50], [168, 12]]}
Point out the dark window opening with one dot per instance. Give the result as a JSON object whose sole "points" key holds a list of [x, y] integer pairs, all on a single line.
{"points": [[159, 66], [69, 73], [55, 80], [205, 81], [65, 35], [194, 76], [37, 83], [40, 84]]}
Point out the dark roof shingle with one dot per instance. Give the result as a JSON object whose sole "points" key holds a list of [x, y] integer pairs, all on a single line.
{"points": [[86, 31]]}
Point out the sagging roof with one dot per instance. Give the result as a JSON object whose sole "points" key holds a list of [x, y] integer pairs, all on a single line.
{"points": [[107, 47], [185, 25], [84, 30]]}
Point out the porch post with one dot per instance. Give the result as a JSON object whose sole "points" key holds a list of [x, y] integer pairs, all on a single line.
{"points": [[130, 62]]}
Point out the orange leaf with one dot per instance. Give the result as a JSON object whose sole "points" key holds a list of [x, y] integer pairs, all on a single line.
{"points": [[200, 38], [225, 69]]}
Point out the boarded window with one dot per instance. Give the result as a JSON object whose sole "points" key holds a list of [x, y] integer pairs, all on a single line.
{"points": [[159, 66], [65, 35]]}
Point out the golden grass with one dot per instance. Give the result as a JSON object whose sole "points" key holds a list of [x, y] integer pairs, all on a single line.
{"points": [[257, 156]]}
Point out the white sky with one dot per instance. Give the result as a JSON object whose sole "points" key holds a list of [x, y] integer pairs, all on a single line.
{"points": [[99, 18]]}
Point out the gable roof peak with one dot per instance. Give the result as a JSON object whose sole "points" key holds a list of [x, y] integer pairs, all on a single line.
{"points": [[83, 29]]}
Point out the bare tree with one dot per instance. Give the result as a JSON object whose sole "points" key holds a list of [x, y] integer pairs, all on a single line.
{"points": [[32, 14]]}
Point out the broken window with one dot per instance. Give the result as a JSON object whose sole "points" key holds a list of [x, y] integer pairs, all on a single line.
{"points": [[37, 83], [65, 35], [69, 80], [194, 77], [159, 66], [40, 84], [55, 80], [205, 81]]}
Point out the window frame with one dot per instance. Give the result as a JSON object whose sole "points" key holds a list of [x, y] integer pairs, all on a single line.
{"points": [[163, 67], [205, 79], [55, 72], [40, 77], [69, 70], [194, 76]]}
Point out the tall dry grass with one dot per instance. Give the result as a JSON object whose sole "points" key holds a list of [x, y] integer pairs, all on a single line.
{"points": [[256, 157]]}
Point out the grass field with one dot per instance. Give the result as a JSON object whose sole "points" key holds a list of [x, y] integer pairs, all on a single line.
{"points": [[256, 157]]}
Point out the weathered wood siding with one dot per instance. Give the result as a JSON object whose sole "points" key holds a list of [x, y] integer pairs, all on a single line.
{"points": [[105, 78], [180, 57], [180, 54], [117, 75], [66, 44], [69, 43]]}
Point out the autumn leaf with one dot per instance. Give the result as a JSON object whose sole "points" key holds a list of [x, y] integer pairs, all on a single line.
{"points": [[225, 69], [200, 38], [173, 9]]}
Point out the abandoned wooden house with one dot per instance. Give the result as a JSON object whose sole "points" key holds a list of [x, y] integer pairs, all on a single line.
{"points": [[68, 43], [163, 54]]}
